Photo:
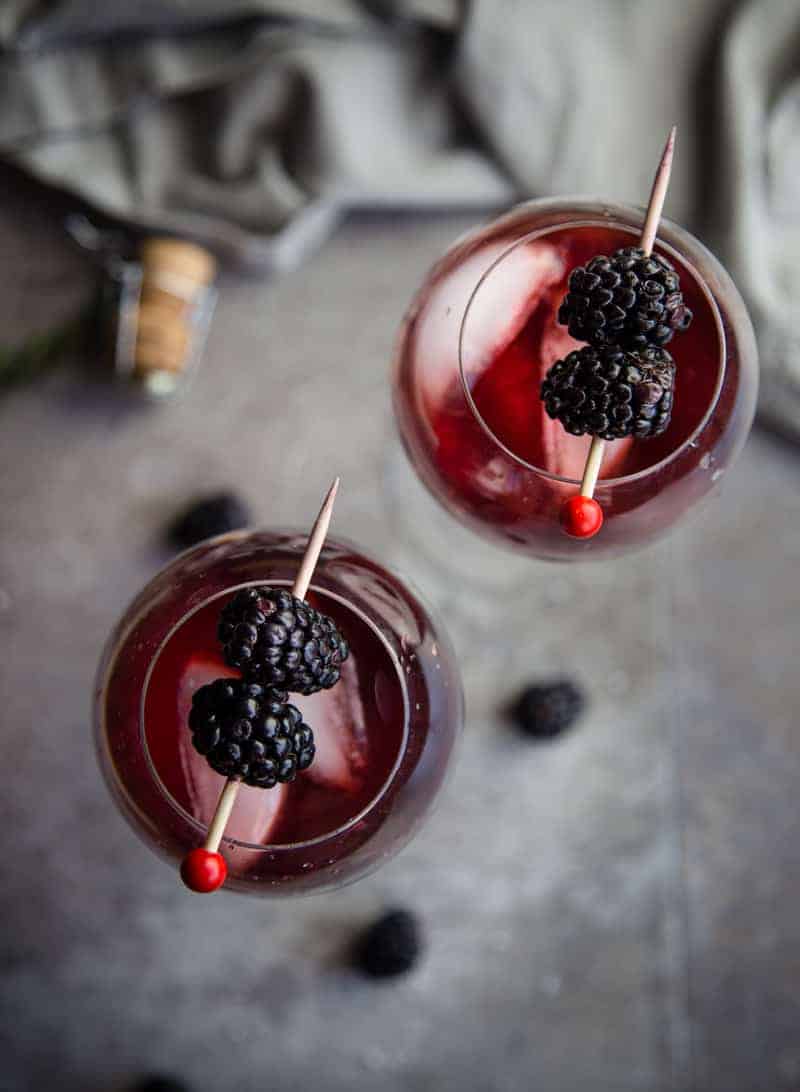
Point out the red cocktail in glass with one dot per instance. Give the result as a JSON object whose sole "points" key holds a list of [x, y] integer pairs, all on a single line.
{"points": [[384, 734], [477, 342]]}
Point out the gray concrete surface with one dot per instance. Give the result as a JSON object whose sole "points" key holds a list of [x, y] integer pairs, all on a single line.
{"points": [[613, 913]]}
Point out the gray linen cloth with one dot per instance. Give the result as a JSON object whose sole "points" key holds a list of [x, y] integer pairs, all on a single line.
{"points": [[253, 125]]}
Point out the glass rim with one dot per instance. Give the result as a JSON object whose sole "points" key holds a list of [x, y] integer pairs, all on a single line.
{"points": [[586, 214], [274, 847]]}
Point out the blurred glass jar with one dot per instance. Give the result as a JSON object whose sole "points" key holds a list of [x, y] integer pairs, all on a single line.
{"points": [[153, 306], [162, 308]]}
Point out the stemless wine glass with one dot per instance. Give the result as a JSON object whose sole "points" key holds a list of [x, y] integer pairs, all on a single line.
{"points": [[477, 341], [384, 734]]}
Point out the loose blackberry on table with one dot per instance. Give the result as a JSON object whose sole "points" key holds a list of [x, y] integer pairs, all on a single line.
{"points": [[208, 516], [390, 946], [158, 1083], [632, 300], [278, 640], [250, 732], [545, 710]]}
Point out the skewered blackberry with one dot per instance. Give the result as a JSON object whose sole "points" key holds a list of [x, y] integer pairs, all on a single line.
{"points": [[278, 640], [631, 299], [250, 732], [611, 393]]}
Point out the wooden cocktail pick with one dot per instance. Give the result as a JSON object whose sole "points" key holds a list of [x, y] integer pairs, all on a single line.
{"points": [[581, 515], [204, 869]]}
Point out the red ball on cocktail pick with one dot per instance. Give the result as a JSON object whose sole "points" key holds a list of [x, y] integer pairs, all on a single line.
{"points": [[204, 870], [570, 509], [581, 517]]}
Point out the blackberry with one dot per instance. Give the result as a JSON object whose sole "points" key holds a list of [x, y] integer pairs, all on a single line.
{"points": [[546, 710], [278, 640], [611, 393], [160, 1084], [250, 732], [206, 517], [631, 299], [390, 946]]}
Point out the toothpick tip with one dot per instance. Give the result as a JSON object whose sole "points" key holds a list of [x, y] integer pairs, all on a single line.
{"points": [[658, 193], [330, 497], [316, 541]]}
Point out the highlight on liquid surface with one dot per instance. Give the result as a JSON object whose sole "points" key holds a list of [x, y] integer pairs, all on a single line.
{"points": [[358, 726], [511, 337]]}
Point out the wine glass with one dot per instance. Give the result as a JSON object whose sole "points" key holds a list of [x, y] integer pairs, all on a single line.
{"points": [[479, 338], [384, 734]]}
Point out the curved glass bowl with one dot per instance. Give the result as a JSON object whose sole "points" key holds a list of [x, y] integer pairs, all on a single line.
{"points": [[442, 363], [418, 705]]}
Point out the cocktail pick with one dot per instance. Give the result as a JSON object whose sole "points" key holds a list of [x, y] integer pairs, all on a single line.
{"points": [[204, 869], [581, 515]]}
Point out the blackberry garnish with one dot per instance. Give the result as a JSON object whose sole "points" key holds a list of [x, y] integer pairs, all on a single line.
{"points": [[250, 732], [611, 393], [278, 640], [390, 946], [631, 299], [547, 709], [208, 516]]}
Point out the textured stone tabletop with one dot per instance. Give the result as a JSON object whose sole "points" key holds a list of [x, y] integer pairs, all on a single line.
{"points": [[613, 912]]}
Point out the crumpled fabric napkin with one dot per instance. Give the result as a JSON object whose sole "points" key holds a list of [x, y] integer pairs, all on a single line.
{"points": [[760, 191], [253, 125], [248, 126]]}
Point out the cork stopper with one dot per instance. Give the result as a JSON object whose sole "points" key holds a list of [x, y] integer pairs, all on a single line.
{"points": [[175, 278], [177, 258]]}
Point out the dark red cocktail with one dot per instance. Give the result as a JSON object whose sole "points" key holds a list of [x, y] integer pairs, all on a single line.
{"points": [[384, 734], [477, 343]]}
